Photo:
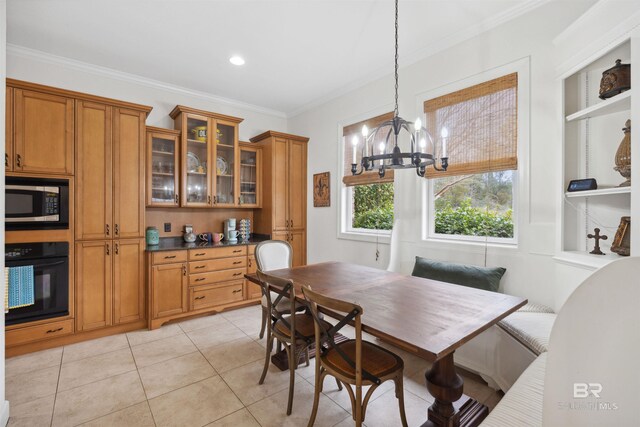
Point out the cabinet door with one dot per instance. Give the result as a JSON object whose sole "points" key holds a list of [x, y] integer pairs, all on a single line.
{"points": [[93, 283], [225, 162], [298, 242], [162, 169], [253, 290], [44, 127], [128, 280], [169, 287], [280, 184], [297, 166], [93, 176], [128, 173], [196, 161], [250, 177], [8, 131]]}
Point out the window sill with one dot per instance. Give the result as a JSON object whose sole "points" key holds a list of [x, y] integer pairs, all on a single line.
{"points": [[473, 246], [363, 236]]}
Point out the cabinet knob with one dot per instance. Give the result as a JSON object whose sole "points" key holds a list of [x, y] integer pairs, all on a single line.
{"points": [[291, 223], [237, 290], [107, 248], [51, 331], [237, 274], [176, 198], [291, 237], [169, 256], [201, 254], [209, 200], [200, 279], [237, 262], [106, 227], [117, 247], [198, 267], [117, 229], [286, 222], [200, 297], [184, 270], [18, 160], [239, 200]]}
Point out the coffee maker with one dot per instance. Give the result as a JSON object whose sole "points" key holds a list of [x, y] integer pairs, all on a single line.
{"points": [[230, 232]]}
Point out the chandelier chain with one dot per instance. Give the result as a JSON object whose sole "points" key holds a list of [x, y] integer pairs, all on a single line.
{"points": [[395, 111]]}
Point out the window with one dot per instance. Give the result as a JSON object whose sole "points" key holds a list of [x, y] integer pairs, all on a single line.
{"points": [[368, 198], [474, 198]]}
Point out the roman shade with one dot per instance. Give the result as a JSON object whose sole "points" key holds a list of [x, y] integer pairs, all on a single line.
{"points": [[348, 133], [481, 121]]}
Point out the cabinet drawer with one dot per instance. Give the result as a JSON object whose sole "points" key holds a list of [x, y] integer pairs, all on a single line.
{"points": [[168, 257], [252, 266], [40, 332], [217, 264], [213, 295], [211, 253], [217, 276]]}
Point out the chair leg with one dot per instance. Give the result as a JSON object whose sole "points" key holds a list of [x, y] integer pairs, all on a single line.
{"points": [[357, 411], [316, 395], [292, 374], [339, 384], [306, 355], [264, 321], [267, 357], [400, 395]]}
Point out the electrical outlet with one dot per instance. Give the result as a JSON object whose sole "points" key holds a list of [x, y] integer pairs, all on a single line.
{"points": [[167, 227]]}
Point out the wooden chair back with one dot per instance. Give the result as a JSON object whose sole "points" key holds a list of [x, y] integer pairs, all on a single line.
{"points": [[283, 291], [325, 338]]}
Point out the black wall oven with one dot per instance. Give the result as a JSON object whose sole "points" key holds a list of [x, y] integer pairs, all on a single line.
{"points": [[36, 203], [51, 279]]}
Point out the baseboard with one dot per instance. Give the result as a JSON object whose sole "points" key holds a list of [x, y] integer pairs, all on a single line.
{"points": [[4, 415]]}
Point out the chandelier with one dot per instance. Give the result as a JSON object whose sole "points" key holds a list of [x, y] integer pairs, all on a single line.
{"points": [[389, 138]]}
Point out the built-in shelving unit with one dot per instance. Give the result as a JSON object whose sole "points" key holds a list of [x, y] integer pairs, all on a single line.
{"points": [[592, 132]]}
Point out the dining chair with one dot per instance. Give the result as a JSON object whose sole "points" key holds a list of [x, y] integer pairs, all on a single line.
{"points": [[295, 332], [353, 362], [272, 255]]}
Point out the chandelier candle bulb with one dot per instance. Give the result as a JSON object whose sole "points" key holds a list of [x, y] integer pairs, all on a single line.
{"points": [[354, 141], [365, 133]]}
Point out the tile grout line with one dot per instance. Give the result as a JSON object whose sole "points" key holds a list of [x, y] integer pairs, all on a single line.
{"points": [[144, 390], [55, 396]]}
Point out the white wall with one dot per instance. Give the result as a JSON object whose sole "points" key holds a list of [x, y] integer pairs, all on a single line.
{"points": [[4, 405], [54, 71], [530, 267]]}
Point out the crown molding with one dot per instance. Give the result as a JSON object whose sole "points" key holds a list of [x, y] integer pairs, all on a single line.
{"points": [[37, 55], [427, 51]]}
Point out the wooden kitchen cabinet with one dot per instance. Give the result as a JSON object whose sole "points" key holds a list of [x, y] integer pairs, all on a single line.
{"points": [[169, 284], [128, 173], [250, 171], [43, 133], [163, 171], [209, 158], [94, 288], [110, 169], [94, 187], [128, 280], [8, 130], [284, 206]]}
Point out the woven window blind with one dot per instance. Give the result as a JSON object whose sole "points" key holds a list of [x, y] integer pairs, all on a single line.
{"points": [[349, 132], [482, 125]]}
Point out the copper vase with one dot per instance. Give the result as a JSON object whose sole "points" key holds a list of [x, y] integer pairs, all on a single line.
{"points": [[623, 156]]}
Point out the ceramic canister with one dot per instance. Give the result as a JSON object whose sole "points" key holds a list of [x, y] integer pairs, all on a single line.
{"points": [[152, 236]]}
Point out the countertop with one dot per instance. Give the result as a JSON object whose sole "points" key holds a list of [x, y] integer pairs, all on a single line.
{"points": [[177, 243]]}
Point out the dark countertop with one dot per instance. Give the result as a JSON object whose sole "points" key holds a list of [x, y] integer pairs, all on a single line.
{"points": [[178, 243]]}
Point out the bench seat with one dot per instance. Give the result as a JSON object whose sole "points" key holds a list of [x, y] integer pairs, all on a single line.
{"points": [[522, 405], [531, 329]]}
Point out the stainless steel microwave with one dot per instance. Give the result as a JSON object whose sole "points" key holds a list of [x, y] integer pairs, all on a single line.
{"points": [[36, 203]]}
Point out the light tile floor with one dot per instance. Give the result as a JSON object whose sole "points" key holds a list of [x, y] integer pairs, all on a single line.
{"points": [[198, 372]]}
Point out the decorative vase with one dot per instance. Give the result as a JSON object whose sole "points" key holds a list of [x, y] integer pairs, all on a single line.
{"points": [[623, 156], [153, 236], [189, 236], [615, 80]]}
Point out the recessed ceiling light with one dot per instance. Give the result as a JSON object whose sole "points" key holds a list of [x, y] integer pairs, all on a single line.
{"points": [[236, 60]]}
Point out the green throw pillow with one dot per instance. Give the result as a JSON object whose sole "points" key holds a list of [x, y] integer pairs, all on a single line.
{"points": [[487, 278]]}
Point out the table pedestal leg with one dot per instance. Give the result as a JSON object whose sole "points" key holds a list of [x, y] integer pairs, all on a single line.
{"points": [[451, 408]]}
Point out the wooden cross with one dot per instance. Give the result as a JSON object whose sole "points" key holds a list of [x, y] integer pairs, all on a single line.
{"points": [[596, 250]]}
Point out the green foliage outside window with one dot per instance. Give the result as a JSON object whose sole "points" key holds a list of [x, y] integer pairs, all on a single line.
{"points": [[475, 205], [373, 206]]}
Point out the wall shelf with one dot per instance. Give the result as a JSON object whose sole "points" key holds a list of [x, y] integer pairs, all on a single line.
{"points": [[618, 103], [599, 192]]}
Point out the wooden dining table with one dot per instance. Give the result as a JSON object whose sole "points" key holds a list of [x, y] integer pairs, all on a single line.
{"points": [[427, 318]]}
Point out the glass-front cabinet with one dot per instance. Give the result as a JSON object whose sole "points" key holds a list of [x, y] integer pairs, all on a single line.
{"points": [[210, 158], [226, 154], [250, 175], [163, 159]]}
